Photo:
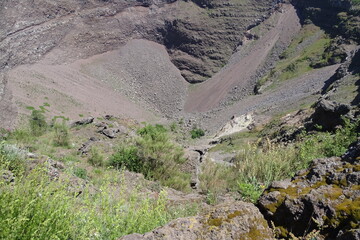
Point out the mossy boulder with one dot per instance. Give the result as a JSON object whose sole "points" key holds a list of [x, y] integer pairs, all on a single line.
{"points": [[238, 220], [325, 198]]}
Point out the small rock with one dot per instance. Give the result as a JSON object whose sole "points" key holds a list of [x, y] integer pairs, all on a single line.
{"points": [[8, 176], [82, 122]]}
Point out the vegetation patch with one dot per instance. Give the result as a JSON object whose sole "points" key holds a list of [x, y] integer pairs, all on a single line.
{"points": [[304, 52]]}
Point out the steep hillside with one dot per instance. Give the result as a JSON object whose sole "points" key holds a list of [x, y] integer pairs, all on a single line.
{"points": [[180, 119], [200, 38]]}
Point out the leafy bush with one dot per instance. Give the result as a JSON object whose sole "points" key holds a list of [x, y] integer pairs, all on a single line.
{"points": [[37, 123], [80, 172], [96, 158], [161, 158], [127, 157], [61, 135], [11, 159], [34, 208], [154, 155], [250, 191], [197, 133]]}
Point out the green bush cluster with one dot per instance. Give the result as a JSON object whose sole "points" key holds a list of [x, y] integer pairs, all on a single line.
{"points": [[127, 156], [11, 159], [154, 155], [95, 157], [61, 135], [37, 123], [197, 133]]}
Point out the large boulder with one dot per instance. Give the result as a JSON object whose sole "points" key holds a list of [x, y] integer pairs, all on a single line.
{"points": [[238, 220], [329, 114], [324, 198]]}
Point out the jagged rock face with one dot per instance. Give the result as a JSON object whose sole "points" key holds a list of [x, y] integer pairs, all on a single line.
{"points": [[238, 220], [340, 17], [325, 197], [335, 4], [31, 29], [78, 29], [201, 39]]}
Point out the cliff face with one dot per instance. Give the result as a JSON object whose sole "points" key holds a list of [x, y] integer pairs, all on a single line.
{"points": [[200, 38], [203, 35], [336, 16]]}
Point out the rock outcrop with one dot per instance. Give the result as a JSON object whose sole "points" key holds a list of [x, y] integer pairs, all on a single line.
{"points": [[239, 220], [329, 114], [324, 198], [202, 36], [340, 17]]}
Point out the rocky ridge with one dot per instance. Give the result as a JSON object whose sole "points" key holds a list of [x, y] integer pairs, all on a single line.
{"points": [[325, 197], [238, 220]]}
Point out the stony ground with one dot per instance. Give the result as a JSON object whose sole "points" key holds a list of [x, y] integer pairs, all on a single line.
{"points": [[94, 68]]}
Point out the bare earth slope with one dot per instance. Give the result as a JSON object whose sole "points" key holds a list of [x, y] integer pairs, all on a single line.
{"points": [[84, 59], [64, 31], [109, 83], [241, 74]]}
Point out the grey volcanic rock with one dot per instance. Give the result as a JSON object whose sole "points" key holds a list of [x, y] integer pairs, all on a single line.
{"points": [[329, 114], [201, 39], [238, 220], [325, 197], [84, 121]]}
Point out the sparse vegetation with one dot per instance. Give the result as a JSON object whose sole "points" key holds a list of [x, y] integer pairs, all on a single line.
{"points": [[257, 166], [61, 135], [37, 123], [304, 53], [96, 158]]}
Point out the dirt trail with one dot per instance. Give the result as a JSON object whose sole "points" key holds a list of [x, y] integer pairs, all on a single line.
{"points": [[209, 94]]}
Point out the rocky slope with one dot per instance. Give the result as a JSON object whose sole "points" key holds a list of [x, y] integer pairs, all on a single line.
{"points": [[201, 39], [325, 198], [238, 220]]}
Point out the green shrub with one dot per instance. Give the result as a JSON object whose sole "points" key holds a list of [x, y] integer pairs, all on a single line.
{"points": [[96, 158], [197, 133], [127, 156], [37, 123], [154, 155], [34, 208], [260, 166], [11, 159], [22, 135], [161, 157], [250, 191], [61, 135], [80, 172]]}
